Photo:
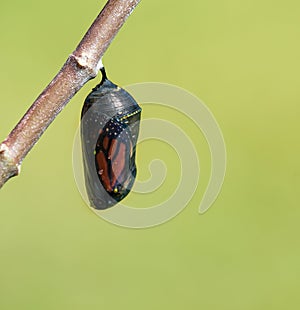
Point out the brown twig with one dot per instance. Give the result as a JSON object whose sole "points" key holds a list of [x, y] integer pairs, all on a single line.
{"points": [[81, 66]]}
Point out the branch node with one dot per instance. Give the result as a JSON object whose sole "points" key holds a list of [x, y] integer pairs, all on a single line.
{"points": [[8, 167], [84, 62]]}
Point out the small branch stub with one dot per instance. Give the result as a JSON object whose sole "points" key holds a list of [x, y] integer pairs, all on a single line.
{"points": [[8, 168], [82, 65]]}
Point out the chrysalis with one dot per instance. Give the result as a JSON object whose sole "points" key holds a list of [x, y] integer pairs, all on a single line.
{"points": [[109, 131]]}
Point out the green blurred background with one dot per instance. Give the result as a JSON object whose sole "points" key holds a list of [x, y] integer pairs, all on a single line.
{"points": [[242, 59]]}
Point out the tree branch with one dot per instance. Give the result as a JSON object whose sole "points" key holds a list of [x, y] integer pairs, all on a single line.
{"points": [[82, 65]]}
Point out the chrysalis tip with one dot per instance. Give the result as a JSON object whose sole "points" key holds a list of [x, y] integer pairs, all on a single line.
{"points": [[104, 76]]}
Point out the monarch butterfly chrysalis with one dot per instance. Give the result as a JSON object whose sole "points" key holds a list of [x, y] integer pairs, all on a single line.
{"points": [[109, 130]]}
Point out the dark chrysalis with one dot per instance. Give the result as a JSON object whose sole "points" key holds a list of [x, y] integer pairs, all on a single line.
{"points": [[109, 130]]}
